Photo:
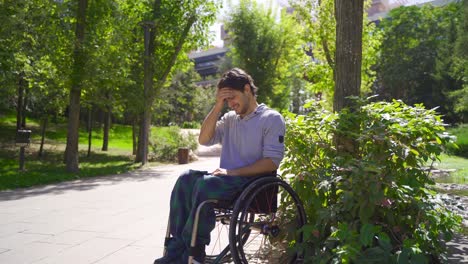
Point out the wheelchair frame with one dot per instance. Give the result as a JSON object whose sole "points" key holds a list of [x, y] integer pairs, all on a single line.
{"points": [[254, 202]]}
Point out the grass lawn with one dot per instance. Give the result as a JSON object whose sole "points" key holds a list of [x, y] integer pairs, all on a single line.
{"points": [[461, 132], [50, 167], [460, 164]]}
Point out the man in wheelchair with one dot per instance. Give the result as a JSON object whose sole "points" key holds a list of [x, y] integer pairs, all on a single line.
{"points": [[252, 138]]}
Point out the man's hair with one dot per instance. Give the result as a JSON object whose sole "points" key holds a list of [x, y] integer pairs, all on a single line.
{"points": [[237, 79]]}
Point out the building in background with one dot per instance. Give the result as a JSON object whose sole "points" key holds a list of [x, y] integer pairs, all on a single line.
{"points": [[207, 64]]}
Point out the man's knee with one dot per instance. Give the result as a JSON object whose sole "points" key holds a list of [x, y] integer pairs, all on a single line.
{"points": [[206, 183], [185, 174], [211, 187], [187, 177]]}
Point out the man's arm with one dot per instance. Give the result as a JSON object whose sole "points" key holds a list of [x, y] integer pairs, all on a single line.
{"points": [[208, 127], [260, 167]]}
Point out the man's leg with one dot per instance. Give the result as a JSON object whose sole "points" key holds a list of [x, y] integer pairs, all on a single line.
{"points": [[180, 207], [181, 201], [209, 187]]}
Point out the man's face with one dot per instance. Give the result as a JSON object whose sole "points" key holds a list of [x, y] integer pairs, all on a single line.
{"points": [[239, 102]]}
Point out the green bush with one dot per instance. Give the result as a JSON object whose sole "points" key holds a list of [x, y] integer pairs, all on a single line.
{"points": [[165, 145], [374, 205], [461, 148], [192, 124]]}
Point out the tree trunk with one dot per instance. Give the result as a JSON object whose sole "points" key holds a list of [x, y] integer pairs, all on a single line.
{"points": [[106, 128], [25, 104], [143, 142], [19, 105], [44, 123], [134, 136], [348, 57], [90, 130], [142, 150], [71, 151]]}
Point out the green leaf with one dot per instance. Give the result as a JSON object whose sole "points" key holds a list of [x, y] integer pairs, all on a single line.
{"points": [[366, 210], [384, 242], [403, 256], [367, 233], [419, 259]]}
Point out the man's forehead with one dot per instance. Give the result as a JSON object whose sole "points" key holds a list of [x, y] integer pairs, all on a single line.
{"points": [[229, 89]]}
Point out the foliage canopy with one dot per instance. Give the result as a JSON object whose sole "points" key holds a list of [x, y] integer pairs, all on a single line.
{"points": [[266, 44], [418, 60]]}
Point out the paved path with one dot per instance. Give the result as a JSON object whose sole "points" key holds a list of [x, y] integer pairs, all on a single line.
{"points": [[116, 219], [458, 250]]}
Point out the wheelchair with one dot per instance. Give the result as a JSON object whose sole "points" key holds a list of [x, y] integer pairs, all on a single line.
{"points": [[262, 225]]}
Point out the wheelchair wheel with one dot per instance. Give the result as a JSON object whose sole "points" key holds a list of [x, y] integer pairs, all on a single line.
{"points": [[218, 250], [266, 223]]}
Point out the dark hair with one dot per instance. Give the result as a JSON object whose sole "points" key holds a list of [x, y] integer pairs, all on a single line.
{"points": [[236, 79]]}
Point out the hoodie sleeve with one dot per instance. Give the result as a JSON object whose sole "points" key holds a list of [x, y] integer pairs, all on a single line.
{"points": [[219, 132], [273, 141]]}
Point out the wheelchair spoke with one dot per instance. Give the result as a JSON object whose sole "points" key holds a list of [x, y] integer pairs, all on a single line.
{"points": [[218, 249], [220, 243]]}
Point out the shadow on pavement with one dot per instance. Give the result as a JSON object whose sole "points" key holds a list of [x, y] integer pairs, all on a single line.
{"points": [[458, 250], [84, 184]]}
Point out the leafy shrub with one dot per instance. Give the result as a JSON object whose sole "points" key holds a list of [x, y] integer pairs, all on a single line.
{"points": [[374, 205], [461, 149], [192, 124], [165, 146]]}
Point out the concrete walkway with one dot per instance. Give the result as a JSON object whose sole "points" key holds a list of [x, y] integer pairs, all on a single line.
{"points": [[116, 219]]}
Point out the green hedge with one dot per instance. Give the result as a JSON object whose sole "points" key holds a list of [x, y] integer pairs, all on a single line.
{"points": [[461, 148], [165, 145]]}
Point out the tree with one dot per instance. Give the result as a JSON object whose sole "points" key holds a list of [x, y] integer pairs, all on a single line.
{"points": [[348, 56], [319, 20], [267, 46], [416, 59], [16, 52], [109, 68], [131, 91], [460, 66], [77, 77], [174, 28], [183, 102], [32, 43], [27, 65]]}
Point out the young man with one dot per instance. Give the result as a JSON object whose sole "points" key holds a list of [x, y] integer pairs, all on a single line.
{"points": [[252, 138]]}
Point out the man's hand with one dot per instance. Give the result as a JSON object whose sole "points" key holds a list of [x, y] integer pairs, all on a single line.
{"points": [[222, 95], [208, 127], [219, 172]]}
